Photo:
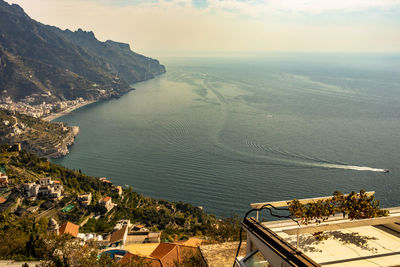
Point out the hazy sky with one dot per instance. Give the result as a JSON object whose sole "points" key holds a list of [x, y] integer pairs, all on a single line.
{"points": [[185, 26]]}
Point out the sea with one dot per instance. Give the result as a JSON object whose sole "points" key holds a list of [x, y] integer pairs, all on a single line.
{"points": [[222, 132]]}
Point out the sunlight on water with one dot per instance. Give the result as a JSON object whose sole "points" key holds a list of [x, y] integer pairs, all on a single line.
{"points": [[222, 133]]}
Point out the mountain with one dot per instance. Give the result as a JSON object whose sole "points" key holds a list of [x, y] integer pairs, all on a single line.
{"points": [[51, 65], [115, 57]]}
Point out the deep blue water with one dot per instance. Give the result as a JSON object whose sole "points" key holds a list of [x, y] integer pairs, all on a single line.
{"points": [[225, 132]]}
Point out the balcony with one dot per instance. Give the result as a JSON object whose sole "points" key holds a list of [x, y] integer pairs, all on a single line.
{"points": [[345, 242]]}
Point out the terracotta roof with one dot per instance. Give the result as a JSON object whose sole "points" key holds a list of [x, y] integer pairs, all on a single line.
{"points": [[105, 199], [2, 200], [131, 258], [162, 250], [118, 235], [69, 228], [165, 254], [57, 182]]}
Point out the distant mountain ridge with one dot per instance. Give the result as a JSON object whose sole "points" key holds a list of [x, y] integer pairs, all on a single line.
{"points": [[51, 64]]}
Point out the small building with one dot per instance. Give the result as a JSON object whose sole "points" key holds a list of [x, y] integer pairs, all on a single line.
{"points": [[57, 185], [105, 180], [50, 189], [90, 237], [166, 254], [31, 190], [107, 203], [85, 199], [138, 237], [122, 223], [3, 180], [69, 228], [45, 181], [118, 189], [118, 238]]}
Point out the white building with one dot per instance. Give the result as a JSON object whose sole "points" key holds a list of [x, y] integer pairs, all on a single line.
{"points": [[85, 199], [31, 190], [49, 188], [359, 242]]}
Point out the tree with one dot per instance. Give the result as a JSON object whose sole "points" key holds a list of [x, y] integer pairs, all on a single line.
{"points": [[65, 251], [355, 206]]}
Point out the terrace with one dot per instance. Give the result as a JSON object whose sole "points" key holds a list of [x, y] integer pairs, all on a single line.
{"points": [[345, 242]]}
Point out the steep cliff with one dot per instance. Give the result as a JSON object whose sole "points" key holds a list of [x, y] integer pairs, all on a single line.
{"points": [[50, 64]]}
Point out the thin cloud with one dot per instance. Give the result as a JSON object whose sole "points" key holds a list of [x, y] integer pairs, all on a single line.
{"points": [[262, 7], [181, 25]]}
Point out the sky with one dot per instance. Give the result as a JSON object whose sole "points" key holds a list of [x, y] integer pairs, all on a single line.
{"points": [[205, 26]]}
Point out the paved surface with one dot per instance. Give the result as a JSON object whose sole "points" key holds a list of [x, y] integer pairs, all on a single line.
{"points": [[222, 255]]}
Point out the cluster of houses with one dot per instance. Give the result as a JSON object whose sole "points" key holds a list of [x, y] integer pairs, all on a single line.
{"points": [[25, 106], [45, 188], [132, 243], [86, 199]]}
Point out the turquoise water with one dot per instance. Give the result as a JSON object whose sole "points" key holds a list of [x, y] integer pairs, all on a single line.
{"points": [[225, 132]]}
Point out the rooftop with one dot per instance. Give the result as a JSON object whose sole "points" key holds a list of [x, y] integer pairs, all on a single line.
{"points": [[119, 234], [347, 243], [141, 249], [105, 199], [344, 242], [162, 250], [69, 228]]}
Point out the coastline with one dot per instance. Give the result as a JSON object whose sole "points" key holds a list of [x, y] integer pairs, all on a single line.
{"points": [[68, 110]]}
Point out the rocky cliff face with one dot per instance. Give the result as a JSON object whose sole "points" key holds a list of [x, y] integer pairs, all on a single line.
{"points": [[116, 57], [51, 64]]}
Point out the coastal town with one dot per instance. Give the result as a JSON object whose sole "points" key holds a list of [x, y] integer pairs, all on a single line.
{"points": [[46, 111], [93, 215]]}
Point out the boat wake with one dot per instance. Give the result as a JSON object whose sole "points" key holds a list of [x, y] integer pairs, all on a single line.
{"points": [[263, 154], [352, 167]]}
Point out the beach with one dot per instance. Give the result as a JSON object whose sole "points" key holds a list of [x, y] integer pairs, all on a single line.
{"points": [[68, 110]]}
